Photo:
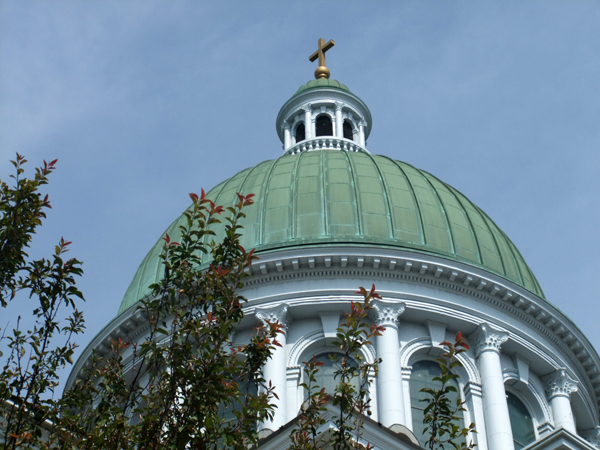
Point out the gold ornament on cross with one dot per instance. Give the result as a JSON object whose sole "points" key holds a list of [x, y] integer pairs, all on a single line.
{"points": [[322, 71]]}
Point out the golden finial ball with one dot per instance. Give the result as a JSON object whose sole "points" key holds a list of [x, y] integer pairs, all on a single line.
{"points": [[322, 72]]}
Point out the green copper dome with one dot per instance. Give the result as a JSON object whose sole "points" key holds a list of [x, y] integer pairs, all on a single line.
{"points": [[321, 83], [337, 198]]}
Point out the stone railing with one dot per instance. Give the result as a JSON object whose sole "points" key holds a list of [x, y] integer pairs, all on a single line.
{"points": [[325, 143]]}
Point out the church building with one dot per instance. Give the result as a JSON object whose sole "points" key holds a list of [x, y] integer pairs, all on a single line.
{"points": [[328, 217]]}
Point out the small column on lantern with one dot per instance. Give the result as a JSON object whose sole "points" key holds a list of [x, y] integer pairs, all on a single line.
{"points": [[339, 131], [287, 136], [308, 123]]}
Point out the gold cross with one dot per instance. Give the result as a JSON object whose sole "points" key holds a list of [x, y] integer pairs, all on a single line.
{"points": [[322, 71]]}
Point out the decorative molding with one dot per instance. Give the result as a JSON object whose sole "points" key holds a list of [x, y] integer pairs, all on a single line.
{"points": [[472, 389], [488, 338], [302, 345], [307, 107], [545, 428], [325, 143], [387, 312], [560, 383], [273, 314], [470, 374], [541, 400]]}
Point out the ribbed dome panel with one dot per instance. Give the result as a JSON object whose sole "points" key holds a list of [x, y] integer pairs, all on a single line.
{"points": [[336, 197]]}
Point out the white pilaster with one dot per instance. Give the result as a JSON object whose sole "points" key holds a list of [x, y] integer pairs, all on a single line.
{"points": [[275, 370], [473, 397], [308, 125], [389, 379], [487, 342], [559, 387], [339, 132]]}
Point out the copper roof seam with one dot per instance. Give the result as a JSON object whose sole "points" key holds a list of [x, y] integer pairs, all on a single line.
{"points": [[448, 226], [356, 200], [263, 200], [391, 222], [294, 208], [324, 185], [412, 191], [457, 195]]}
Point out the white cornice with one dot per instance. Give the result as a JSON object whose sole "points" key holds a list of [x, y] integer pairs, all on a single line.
{"points": [[527, 307]]}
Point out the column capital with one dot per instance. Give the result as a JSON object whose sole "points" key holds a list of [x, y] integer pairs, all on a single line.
{"points": [[486, 338], [560, 383], [307, 107], [386, 313], [274, 314], [286, 126], [338, 106]]}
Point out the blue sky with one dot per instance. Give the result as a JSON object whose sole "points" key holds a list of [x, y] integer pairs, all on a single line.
{"points": [[144, 102]]}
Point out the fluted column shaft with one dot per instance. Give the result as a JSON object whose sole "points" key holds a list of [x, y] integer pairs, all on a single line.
{"points": [[559, 387], [389, 378], [487, 342], [275, 369]]}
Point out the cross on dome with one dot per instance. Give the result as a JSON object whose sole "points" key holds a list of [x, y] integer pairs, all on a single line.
{"points": [[322, 71]]}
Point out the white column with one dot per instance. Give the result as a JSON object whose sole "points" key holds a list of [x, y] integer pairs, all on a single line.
{"points": [[487, 342], [389, 378], [287, 137], [308, 131], [275, 370], [559, 387], [361, 133], [339, 131]]}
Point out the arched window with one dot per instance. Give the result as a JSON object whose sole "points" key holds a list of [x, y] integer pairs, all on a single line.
{"points": [[323, 126], [347, 130], [422, 376], [300, 133], [326, 375], [521, 423]]}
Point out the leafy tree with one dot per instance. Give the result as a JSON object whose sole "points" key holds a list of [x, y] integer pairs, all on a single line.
{"points": [[189, 386], [351, 398], [33, 354], [441, 416]]}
